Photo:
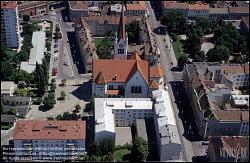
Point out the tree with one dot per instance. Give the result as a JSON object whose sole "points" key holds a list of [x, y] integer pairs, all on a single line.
{"points": [[77, 108], [63, 95], [49, 102], [51, 95], [199, 56], [94, 149], [182, 61], [107, 146], [50, 118], [25, 76], [13, 111], [45, 70], [133, 32], [57, 28], [41, 80], [218, 54], [174, 20], [26, 18], [173, 36], [59, 117], [90, 106], [140, 149]]}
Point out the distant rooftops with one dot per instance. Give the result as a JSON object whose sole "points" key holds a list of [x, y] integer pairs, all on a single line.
{"points": [[78, 5], [8, 4], [49, 130]]}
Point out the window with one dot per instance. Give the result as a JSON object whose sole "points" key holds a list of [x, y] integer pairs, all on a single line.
{"points": [[110, 86], [119, 86], [120, 51], [136, 89], [139, 89], [132, 89]]}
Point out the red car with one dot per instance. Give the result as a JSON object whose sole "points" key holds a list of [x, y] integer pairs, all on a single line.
{"points": [[54, 70]]}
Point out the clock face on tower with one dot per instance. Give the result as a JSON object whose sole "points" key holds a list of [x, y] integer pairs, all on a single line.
{"points": [[120, 45]]}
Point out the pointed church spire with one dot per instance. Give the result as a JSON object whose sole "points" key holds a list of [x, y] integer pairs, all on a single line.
{"points": [[121, 31]]}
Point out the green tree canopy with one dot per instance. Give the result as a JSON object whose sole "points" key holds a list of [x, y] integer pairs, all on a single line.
{"points": [[107, 146], [218, 54], [140, 149], [174, 20]]}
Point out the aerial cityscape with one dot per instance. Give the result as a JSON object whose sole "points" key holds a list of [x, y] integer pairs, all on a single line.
{"points": [[125, 81]]}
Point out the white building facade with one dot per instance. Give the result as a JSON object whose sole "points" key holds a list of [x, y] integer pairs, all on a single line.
{"points": [[10, 29], [119, 112]]}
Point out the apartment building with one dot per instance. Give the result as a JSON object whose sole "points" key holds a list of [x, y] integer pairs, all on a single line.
{"points": [[10, 29], [228, 149], [86, 43], [136, 9], [210, 101], [78, 9], [119, 112], [22, 104], [218, 13], [234, 75], [175, 6], [238, 12], [198, 10], [33, 8], [8, 88], [49, 140], [168, 139]]}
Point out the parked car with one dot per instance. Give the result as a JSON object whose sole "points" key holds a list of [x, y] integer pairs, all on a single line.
{"points": [[56, 51]]}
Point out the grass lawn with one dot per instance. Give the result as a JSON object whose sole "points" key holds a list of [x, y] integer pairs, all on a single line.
{"points": [[119, 155], [5, 126], [178, 50], [99, 41]]}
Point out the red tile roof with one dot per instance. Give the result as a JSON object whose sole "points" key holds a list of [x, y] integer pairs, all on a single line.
{"points": [[174, 5], [8, 5], [135, 56], [119, 70], [234, 69], [228, 143], [238, 10], [156, 71], [153, 84], [78, 5], [49, 130], [135, 7], [198, 6]]}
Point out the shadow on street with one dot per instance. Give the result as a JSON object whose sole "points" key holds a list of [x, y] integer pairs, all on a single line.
{"points": [[185, 111], [83, 92], [75, 51]]}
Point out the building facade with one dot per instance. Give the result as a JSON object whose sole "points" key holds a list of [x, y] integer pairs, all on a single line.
{"points": [[198, 10], [62, 140], [33, 8], [10, 29], [20, 103], [86, 44]]}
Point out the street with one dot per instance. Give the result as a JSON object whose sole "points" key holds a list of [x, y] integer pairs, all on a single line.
{"points": [[166, 58]]}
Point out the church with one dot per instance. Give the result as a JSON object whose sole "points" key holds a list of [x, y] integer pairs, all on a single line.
{"points": [[123, 75]]}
